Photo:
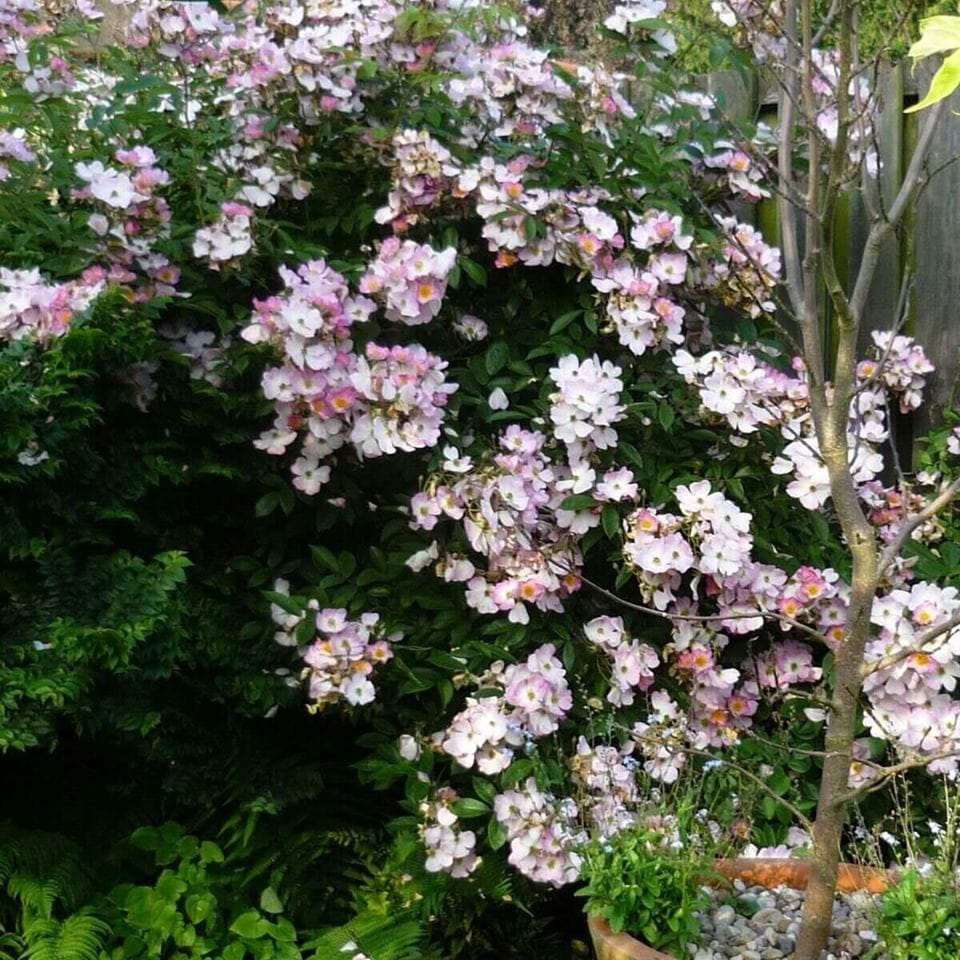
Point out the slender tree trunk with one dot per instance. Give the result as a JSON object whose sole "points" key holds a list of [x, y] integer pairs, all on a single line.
{"points": [[830, 410], [847, 682], [828, 826]]}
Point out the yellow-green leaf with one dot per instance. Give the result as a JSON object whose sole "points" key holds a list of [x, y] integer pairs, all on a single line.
{"points": [[944, 82], [936, 35]]}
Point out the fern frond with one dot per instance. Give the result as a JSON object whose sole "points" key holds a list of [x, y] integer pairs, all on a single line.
{"points": [[380, 937], [42, 870], [29, 851], [11, 946], [37, 895], [307, 830], [80, 937]]}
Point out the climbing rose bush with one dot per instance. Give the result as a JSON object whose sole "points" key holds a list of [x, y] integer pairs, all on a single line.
{"points": [[513, 363]]}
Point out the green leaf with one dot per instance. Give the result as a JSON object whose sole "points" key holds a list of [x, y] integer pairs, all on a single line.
{"points": [[578, 501], [270, 902], [485, 790], [474, 271], [200, 906], [496, 834], [285, 603], [631, 453], [468, 807], [249, 925], [497, 356], [267, 504], [478, 367], [285, 931], [569, 656], [779, 782], [143, 906], [170, 886], [210, 852], [563, 321], [665, 415], [516, 772], [323, 557], [937, 34], [820, 526], [611, 520], [146, 838]]}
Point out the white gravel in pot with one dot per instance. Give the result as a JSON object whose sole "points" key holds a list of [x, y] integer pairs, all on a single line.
{"points": [[757, 923]]}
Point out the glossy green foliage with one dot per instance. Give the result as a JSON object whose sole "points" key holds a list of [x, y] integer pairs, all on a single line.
{"points": [[642, 886], [919, 918]]}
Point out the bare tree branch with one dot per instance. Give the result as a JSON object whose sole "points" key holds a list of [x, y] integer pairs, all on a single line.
{"points": [[827, 23], [940, 502], [716, 618], [885, 773], [920, 645]]}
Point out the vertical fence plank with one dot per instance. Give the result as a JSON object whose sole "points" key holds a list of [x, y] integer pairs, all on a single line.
{"points": [[767, 216], [736, 96], [936, 257], [881, 308]]}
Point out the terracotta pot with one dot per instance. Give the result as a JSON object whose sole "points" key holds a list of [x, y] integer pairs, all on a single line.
{"points": [[766, 873]]}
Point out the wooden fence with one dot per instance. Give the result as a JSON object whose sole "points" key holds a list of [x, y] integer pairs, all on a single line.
{"points": [[926, 256]]}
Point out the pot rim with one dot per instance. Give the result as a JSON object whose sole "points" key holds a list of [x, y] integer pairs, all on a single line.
{"points": [[754, 870]]}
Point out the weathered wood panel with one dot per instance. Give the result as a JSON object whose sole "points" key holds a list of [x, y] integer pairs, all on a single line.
{"points": [[936, 259], [882, 304], [737, 98]]}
